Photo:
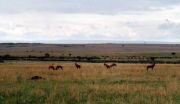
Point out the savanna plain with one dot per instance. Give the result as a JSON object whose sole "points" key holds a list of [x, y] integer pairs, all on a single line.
{"points": [[92, 84]]}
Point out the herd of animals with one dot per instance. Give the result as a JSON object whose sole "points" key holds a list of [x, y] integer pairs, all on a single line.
{"points": [[52, 67], [78, 66], [108, 66]]}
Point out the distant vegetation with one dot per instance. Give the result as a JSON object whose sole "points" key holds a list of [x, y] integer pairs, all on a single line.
{"points": [[95, 53], [95, 59]]}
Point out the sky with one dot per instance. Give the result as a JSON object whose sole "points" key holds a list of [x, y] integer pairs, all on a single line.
{"points": [[57, 21]]}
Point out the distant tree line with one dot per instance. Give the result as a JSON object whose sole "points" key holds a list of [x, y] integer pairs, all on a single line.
{"points": [[93, 59]]}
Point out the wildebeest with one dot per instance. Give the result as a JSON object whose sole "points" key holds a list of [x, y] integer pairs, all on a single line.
{"points": [[77, 66], [37, 78]]}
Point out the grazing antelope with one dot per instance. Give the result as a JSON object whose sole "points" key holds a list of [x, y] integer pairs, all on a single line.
{"points": [[59, 67], [107, 66], [151, 66], [78, 66], [51, 67], [113, 65]]}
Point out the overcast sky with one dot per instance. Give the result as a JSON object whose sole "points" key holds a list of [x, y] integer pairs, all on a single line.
{"points": [[74, 20]]}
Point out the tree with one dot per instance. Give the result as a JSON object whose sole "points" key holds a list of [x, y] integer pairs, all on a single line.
{"points": [[47, 55], [173, 53], [152, 58], [79, 58]]}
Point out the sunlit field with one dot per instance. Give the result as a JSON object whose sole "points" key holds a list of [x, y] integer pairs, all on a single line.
{"points": [[92, 84]]}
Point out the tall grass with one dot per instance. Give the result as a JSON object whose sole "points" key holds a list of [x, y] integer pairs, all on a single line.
{"points": [[93, 84]]}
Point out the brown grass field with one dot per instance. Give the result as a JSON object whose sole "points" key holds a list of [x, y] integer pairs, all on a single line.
{"points": [[93, 84]]}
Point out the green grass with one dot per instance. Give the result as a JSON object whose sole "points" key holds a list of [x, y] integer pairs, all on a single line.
{"points": [[55, 92]]}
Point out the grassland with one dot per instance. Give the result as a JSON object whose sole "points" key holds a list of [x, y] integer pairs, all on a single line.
{"points": [[111, 50], [93, 84]]}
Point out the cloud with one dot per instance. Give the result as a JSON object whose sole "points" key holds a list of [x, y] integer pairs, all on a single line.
{"points": [[141, 20], [170, 29], [55, 26], [62, 26], [85, 6]]}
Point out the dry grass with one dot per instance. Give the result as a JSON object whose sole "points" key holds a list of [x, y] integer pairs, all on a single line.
{"points": [[93, 84]]}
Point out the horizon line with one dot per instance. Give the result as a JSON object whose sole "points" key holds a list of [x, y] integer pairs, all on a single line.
{"points": [[90, 42]]}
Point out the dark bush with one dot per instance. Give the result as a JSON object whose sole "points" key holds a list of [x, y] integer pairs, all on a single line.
{"points": [[173, 53], [46, 55]]}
